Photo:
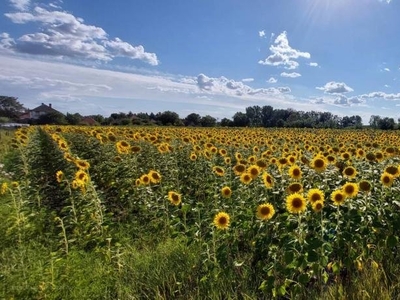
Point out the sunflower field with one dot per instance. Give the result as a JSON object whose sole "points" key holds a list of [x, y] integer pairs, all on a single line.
{"points": [[197, 213]]}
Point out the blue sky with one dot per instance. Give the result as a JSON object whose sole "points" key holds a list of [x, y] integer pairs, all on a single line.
{"points": [[209, 57]]}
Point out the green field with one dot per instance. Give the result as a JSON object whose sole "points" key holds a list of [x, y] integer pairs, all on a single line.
{"points": [[179, 213]]}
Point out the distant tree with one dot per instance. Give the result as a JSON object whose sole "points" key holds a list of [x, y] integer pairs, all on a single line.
{"points": [[4, 120], [386, 124], [168, 118], [374, 121], [98, 118], [225, 122], [52, 118], [208, 121], [254, 114], [10, 107], [240, 120], [73, 119], [193, 119]]}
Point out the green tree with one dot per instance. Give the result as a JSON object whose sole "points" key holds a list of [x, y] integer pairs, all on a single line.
{"points": [[10, 107], [208, 121]]}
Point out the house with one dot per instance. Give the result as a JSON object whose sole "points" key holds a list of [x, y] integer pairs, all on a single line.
{"points": [[38, 111]]}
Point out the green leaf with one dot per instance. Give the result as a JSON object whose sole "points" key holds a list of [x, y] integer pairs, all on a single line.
{"points": [[304, 278], [312, 256], [335, 268], [288, 256], [391, 241]]}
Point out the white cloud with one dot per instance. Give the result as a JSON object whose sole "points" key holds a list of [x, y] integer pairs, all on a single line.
{"points": [[64, 35], [272, 80], [386, 69], [382, 95], [290, 75], [283, 54], [223, 85], [333, 87], [313, 64], [248, 79], [20, 4], [261, 33], [387, 86]]}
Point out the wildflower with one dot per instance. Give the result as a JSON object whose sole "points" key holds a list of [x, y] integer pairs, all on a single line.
{"points": [[14, 184], [254, 171], [4, 187], [222, 220], [226, 192], [392, 170], [265, 211], [174, 198], [239, 169], [82, 177], [145, 179], [295, 203], [193, 156]]}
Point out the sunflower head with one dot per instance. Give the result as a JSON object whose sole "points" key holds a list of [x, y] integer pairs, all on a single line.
{"points": [[174, 198], [82, 177], [154, 176], [218, 171], [59, 176], [222, 220], [82, 164], [317, 206], [387, 179], [319, 163], [265, 211], [268, 180], [338, 197], [145, 179], [350, 189], [315, 195], [295, 172], [349, 172], [365, 186], [295, 187], [193, 156], [246, 178], [254, 171], [392, 170], [239, 169], [295, 203], [226, 192]]}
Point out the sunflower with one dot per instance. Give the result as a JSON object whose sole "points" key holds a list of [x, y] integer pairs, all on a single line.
{"points": [[268, 180], [252, 159], [174, 198], [4, 188], [14, 184], [315, 195], [295, 203], [365, 186], [138, 182], [338, 197], [295, 172], [82, 177], [317, 206], [254, 171], [238, 156], [68, 157], [226, 192], [145, 179], [59, 176], [222, 220], [379, 156], [239, 169], [75, 184], [350, 189], [346, 155], [154, 176], [222, 152], [227, 160], [265, 211], [392, 170], [261, 164], [82, 164], [246, 178], [219, 171], [295, 187], [282, 162], [387, 179], [349, 172], [319, 163], [123, 147], [193, 156]]}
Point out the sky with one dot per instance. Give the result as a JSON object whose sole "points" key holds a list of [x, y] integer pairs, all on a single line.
{"points": [[204, 56]]}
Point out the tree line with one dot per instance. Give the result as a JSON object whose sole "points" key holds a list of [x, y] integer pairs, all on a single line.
{"points": [[253, 116]]}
